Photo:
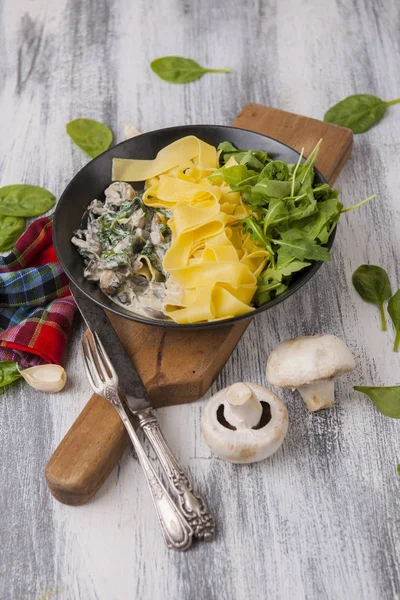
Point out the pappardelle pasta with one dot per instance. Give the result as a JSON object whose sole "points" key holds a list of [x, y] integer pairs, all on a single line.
{"points": [[189, 247]]}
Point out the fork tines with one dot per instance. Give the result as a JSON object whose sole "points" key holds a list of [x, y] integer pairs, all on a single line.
{"points": [[98, 365]]}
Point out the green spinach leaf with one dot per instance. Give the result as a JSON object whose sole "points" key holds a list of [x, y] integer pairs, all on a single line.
{"points": [[176, 69], [386, 399], [8, 372], [373, 285], [394, 312], [10, 230], [90, 136], [359, 112], [22, 200]]}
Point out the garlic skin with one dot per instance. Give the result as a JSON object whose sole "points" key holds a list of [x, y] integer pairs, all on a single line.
{"points": [[45, 378], [130, 131]]}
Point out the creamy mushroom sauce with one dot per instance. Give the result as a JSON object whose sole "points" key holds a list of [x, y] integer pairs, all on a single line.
{"points": [[123, 245]]}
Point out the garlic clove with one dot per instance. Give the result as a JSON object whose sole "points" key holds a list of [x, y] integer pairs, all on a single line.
{"points": [[130, 131], [45, 378]]}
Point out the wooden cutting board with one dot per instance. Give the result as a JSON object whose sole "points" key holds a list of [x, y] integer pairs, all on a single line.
{"points": [[176, 366]]}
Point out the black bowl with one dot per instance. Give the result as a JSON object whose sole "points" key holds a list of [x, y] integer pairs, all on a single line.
{"points": [[95, 177]]}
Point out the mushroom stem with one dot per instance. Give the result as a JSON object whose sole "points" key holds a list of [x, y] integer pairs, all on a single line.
{"points": [[318, 395], [242, 407]]}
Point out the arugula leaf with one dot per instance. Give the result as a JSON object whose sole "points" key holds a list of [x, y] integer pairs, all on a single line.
{"points": [[276, 169], [293, 267], [10, 230], [22, 200], [238, 177], [394, 312], [249, 158], [265, 293], [292, 217], [276, 214], [304, 172], [269, 285], [250, 225], [256, 201], [90, 136], [301, 206], [350, 208], [323, 191], [279, 273], [274, 281], [227, 149], [297, 245], [274, 188], [177, 69], [8, 372], [359, 112], [254, 159], [373, 285], [386, 399], [319, 224]]}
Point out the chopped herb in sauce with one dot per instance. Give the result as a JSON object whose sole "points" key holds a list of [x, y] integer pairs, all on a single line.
{"points": [[123, 244]]}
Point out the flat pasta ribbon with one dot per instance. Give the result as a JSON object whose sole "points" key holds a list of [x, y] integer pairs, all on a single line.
{"points": [[210, 261], [177, 154]]}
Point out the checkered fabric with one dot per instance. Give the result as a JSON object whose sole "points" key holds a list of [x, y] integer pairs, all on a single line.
{"points": [[36, 307]]}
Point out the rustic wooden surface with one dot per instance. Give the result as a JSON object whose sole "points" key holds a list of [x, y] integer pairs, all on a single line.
{"points": [[96, 440], [320, 518], [175, 369]]}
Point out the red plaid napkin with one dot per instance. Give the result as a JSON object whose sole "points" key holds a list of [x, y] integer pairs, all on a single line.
{"points": [[36, 307]]}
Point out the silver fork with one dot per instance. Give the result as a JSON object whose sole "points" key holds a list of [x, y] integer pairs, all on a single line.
{"points": [[104, 381]]}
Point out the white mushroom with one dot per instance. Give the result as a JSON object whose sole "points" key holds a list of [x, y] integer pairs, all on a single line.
{"points": [[110, 281], [310, 365], [244, 423]]}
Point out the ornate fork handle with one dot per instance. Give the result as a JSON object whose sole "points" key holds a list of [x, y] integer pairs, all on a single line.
{"points": [[192, 505], [176, 530]]}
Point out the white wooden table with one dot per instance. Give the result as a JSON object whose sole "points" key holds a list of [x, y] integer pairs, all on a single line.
{"points": [[320, 519]]}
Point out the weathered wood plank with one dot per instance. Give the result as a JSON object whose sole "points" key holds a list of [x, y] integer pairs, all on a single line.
{"points": [[318, 520], [93, 445]]}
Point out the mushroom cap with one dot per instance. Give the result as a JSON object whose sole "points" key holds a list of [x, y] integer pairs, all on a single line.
{"points": [[306, 360], [244, 445]]}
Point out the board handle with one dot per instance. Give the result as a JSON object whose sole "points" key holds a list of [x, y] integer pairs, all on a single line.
{"points": [[87, 454]]}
